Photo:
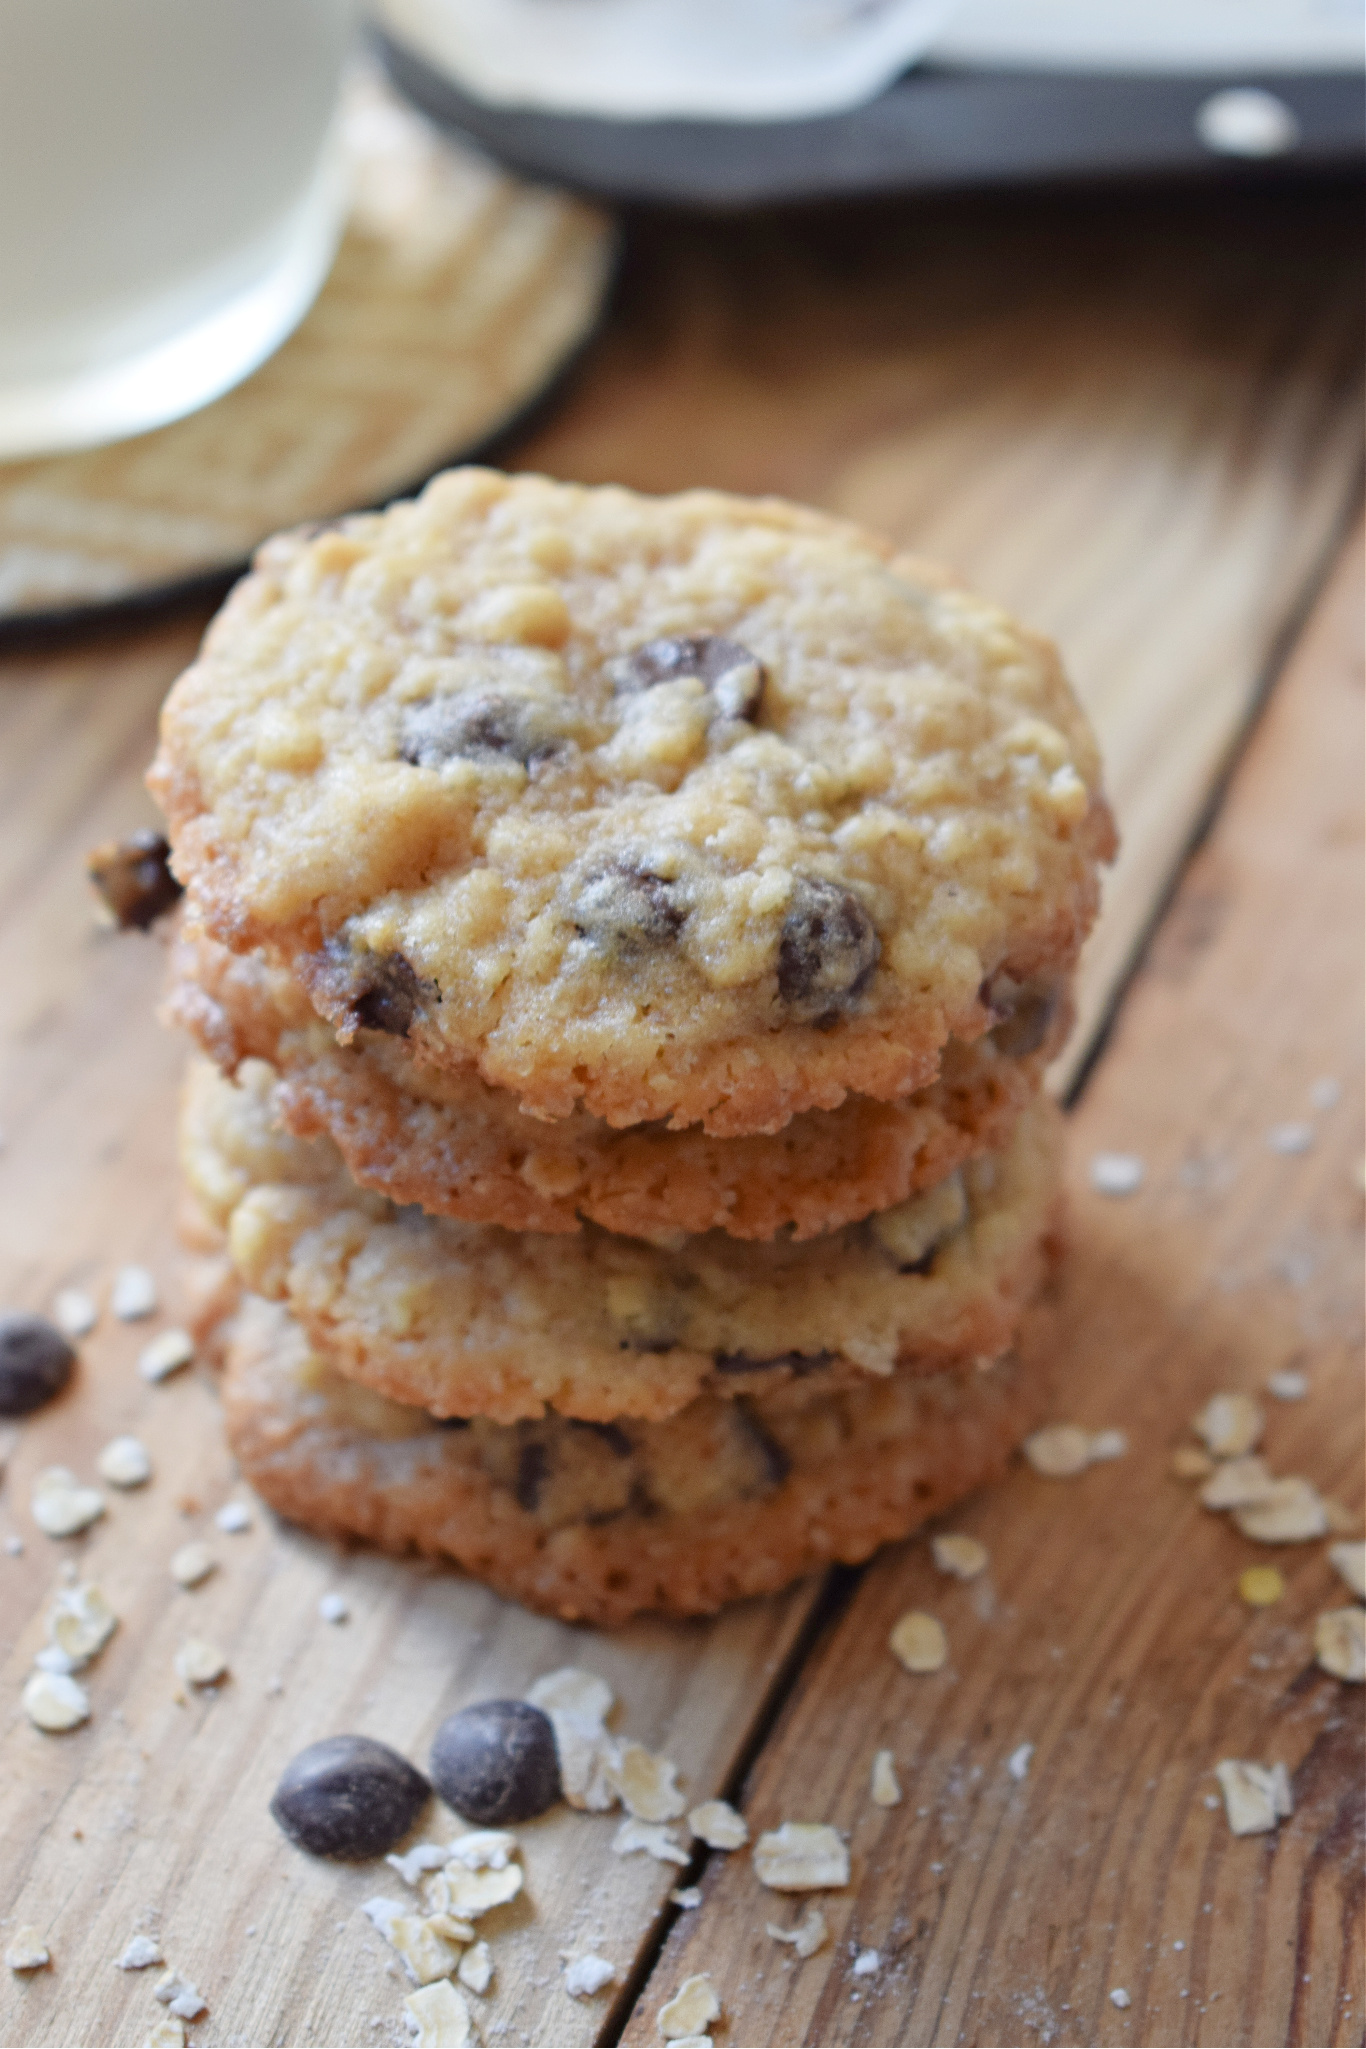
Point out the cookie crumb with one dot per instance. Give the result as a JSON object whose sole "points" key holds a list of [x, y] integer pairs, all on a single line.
{"points": [[586, 1975], [26, 1950], [61, 1505], [1256, 1798], [332, 1608], [963, 1557], [438, 2017], [1119, 1997], [233, 1518], [718, 1825], [1106, 1445], [866, 1963], [655, 1838], [1287, 1385], [74, 1312], [1059, 1451], [1018, 1762], [918, 1642], [125, 1462], [1261, 1586], [884, 1787], [691, 2010], [54, 1702], [1340, 1643], [180, 1994], [166, 1354], [80, 1623], [192, 1564], [138, 1952], [1291, 1512], [1117, 1173], [1231, 1425], [1290, 1138], [200, 1663], [133, 1295], [810, 1934], [801, 1856], [686, 1896]]}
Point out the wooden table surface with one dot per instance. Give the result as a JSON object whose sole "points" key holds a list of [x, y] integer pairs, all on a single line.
{"points": [[1135, 419]]}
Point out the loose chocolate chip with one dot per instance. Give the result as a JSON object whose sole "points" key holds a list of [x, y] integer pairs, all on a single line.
{"points": [[348, 1796], [623, 907], [480, 725], [497, 1762], [35, 1364], [389, 996], [533, 1469], [1026, 1012], [774, 1460], [731, 673], [134, 878], [828, 948], [799, 1363]]}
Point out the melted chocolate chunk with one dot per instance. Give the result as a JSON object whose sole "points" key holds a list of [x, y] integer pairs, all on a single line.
{"points": [[35, 1364], [348, 1796], [1025, 1012], [624, 907], [774, 1460], [799, 1363], [829, 946], [731, 673], [481, 725], [533, 1470], [496, 1762], [134, 878], [390, 996]]}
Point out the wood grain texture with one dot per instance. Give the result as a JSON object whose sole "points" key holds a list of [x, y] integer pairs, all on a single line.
{"points": [[1108, 1632]]}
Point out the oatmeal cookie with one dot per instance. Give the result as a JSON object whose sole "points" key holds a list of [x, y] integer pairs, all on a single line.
{"points": [[449, 1142], [468, 1319], [596, 1522], [695, 808]]}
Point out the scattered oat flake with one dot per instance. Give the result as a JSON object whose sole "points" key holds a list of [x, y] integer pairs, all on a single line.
{"points": [[54, 1702], [801, 1856], [200, 1663], [586, 1975], [1288, 1385], [655, 1838], [180, 1994], [646, 1784], [1018, 1762], [192, 1564], [482, 1849], [332, 1608], [810, 1934], [167, 1353], [866, 1963], [718, 1825], [1290, 1513], [1256, 1797], [1059, 1451], [691, 2010], [1231, 1424], [133, 1295], [125, 1462], [1340, 1643], [425, 1947], [918, 1642], [74, 1312], [1290, 1138], [578, 1703], [468, 1894], [1106, 1445], [686, 1896], [1190, 1464], [80, 1623], [233, 1517], [26, 1950], [421, 1858], [1349, 1563], [438, 2017], [1238, 1483], [1120, 1998], [961, 1556], [475, 1969], [1116, 1173], [884, 1787], [61, 1505], [138, 1953], [169, 2033], [1261, 1586]]}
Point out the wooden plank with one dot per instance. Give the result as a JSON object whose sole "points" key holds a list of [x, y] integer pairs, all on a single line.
{"points": [[1108, 1632]]}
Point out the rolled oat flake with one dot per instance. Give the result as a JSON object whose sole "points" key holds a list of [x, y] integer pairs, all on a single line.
{"points": [[348, 1796], [496, 1762]]}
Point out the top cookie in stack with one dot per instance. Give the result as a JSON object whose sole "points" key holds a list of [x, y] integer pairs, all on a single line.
{"points": [[578, 885]]}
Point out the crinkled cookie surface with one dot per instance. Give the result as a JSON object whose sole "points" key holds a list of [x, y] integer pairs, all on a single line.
{"points": [[691, 808]]}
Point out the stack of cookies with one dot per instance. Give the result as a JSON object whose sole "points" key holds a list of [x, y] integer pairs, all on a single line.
{"points": [[627, 936]]}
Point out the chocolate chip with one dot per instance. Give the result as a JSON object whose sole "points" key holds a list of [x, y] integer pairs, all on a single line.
{"points": [[348, 1796], [134, 878], [1025, 1011], [828, 948], [623, 907], [611, 1434], [389, 996], [480, 725], [731, 673], [496, 1762], [35, 1364], [774, 1460], [798, 1363], [533, 1469]]}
